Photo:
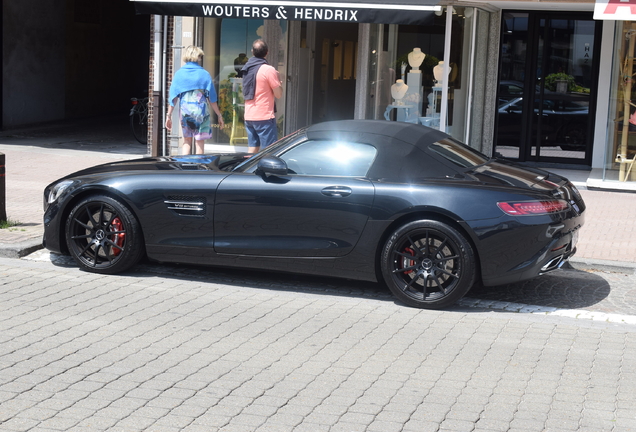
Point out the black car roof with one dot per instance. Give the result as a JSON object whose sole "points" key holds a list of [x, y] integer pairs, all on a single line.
{"points": [[377, 132], [402, 155]]}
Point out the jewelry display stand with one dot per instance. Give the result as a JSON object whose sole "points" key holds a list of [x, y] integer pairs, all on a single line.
{"points": [[403, 112], [408, 108], [432, 116], [414, 95]]}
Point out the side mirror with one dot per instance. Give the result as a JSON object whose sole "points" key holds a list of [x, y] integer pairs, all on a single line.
{"points": [[272, 165]]}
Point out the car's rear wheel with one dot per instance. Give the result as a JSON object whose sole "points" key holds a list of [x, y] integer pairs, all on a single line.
{"points": [[103, 236], [428, 264]]}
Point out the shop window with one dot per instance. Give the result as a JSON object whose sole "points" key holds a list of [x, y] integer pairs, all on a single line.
{"points": [[408, 80], [620, 160], [227, 45]]}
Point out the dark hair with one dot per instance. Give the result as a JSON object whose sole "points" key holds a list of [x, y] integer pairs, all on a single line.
{"points": [[259, 48]]}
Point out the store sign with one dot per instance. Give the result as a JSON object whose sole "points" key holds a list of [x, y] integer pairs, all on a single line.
{"points": [[624, 10], [420, 13], [281, 13]]}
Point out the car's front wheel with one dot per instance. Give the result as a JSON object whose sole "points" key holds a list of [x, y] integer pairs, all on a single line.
{"points": [[428, 264], [103, 236]]}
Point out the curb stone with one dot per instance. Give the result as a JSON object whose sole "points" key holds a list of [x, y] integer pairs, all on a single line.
{"points": [[591, 265], [21, 249]]}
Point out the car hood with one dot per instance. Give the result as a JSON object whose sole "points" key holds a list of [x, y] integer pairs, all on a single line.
{"points": [[221, 162], [502, 173]]}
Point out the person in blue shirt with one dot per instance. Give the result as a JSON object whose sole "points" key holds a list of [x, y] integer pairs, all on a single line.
{"points": [[192, 86]]}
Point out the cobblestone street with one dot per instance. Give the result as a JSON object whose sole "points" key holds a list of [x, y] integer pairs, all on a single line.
{"points": [[167, 348]]}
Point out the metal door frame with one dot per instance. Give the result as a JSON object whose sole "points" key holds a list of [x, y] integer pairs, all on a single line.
{"points": [[531, 67]]}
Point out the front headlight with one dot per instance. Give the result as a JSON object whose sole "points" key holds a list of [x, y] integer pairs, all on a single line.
{"points": [[52, 194]]}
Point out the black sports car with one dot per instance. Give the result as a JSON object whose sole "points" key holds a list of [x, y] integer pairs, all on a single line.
{"points": [[359, 199]]}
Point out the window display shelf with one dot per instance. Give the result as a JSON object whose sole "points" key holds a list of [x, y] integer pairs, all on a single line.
{"points": [[401, 116]]}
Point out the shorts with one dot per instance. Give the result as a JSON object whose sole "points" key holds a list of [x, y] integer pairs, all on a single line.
{"points": [[261, 133], [195, 116], [198, 128]]}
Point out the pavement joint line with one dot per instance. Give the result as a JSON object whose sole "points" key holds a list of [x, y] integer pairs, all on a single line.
{"points": [[547, 310]]}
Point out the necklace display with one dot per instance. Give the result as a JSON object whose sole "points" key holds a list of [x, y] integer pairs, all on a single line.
{"points": [[398, 90], [416, 58], [438, 73]]}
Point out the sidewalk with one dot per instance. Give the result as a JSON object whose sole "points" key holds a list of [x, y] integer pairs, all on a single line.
{"points": [[36, 157]]}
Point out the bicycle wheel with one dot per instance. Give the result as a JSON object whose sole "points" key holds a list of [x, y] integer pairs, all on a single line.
{"points": [[139, 123]]}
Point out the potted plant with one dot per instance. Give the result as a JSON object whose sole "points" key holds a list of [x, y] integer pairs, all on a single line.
{"points": [[560, 82]]}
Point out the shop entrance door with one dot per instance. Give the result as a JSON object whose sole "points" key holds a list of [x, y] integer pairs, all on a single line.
{"points": [[335, 62], [547, 87]]}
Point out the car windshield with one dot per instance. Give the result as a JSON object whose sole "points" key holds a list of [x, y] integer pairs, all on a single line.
{"points": [[458, 153]]}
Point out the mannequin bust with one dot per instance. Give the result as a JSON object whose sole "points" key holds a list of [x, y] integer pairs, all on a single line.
{"points": [[438, 73], [416, 57], [398, 90]]}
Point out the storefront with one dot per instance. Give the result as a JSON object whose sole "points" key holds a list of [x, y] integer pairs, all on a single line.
{"points": [[345, 60], [535, 83]]}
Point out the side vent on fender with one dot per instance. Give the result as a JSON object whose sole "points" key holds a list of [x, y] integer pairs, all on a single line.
{"points": [[186, 205]]}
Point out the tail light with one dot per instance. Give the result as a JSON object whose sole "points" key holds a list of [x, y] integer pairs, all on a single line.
{"points": [[530, 208]]}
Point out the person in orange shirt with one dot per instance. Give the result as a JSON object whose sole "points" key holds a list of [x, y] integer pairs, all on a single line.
{"points": [[261, 87]]}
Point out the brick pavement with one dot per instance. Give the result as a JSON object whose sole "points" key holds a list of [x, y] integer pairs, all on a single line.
{"points": [[142, 351], [609, 232]]}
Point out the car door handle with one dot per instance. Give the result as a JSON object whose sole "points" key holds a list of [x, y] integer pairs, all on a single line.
{"points": [[336, 191]]}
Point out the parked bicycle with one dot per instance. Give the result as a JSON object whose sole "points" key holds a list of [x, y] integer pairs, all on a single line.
{"points": [[139, 119]]}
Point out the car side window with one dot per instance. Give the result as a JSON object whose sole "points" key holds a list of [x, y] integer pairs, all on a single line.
{"points": [[330, 158]]}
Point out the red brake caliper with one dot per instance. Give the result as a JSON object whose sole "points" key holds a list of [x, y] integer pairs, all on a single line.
{"points": [[408, 263], [118, 239]]}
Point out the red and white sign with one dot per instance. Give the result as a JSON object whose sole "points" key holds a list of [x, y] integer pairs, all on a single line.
{"points": [[624, 10]]}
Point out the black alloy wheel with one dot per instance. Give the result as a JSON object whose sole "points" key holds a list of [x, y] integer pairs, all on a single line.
{"points": [[103, 236], [428, 264]]}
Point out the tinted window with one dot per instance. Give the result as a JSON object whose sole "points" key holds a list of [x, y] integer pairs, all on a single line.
{"points": [[330, 158], [458, 153]]}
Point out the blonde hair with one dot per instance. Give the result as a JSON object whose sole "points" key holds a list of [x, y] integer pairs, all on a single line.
{"points": [[192, 54]]}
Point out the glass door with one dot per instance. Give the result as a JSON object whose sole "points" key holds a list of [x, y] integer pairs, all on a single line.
{"points": [[547, 88]]}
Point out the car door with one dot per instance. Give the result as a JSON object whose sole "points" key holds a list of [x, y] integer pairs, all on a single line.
{"points": [[319, 209]]}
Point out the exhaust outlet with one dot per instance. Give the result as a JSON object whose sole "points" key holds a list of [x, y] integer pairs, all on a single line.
{"points": [[553, 264]]}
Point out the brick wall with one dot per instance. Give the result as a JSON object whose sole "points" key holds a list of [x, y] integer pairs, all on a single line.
{"points": [[155, 113]]}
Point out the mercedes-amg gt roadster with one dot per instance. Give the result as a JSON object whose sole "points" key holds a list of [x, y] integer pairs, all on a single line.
{"points": [[359, 199]]}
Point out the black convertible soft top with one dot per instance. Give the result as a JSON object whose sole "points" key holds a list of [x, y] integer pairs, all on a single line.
{"points": [[402, 147], [377, 132]]}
